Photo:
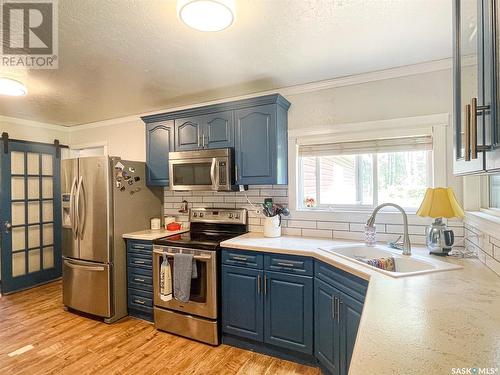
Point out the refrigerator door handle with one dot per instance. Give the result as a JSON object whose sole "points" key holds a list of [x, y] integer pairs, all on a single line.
{"points": [[85, 268], [73, 217], [82, 217]]}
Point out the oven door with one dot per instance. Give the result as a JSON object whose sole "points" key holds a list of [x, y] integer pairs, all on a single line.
{"points": [[203, 299]]}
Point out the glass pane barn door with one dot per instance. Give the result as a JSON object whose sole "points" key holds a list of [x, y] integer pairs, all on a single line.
{"points": [[30, 215]]}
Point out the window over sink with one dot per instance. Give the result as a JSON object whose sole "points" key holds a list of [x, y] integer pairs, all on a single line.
{"points": [[363, 174]]}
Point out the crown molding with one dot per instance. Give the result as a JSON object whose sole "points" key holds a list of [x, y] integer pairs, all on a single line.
{"points": [[34, 124], [402, 71], [368, 127]]}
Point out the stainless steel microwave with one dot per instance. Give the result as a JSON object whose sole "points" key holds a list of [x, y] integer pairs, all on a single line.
{"points": [[205, 170]]}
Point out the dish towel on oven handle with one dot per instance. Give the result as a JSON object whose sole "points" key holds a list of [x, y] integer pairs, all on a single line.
{"points": [[183, 270], [165, 279]]}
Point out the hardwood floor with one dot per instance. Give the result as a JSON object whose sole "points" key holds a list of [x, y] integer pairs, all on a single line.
{"points": [[66, 343]]}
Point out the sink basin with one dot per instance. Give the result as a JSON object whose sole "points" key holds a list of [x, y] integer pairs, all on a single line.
{"points": [[404, 265]]}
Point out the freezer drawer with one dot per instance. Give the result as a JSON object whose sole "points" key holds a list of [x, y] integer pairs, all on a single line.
{"points": [[87, 287]]}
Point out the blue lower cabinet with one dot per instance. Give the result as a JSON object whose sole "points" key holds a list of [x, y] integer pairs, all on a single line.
{"points": [[242, 302], [140, 279], [292, 307], [350, 316], [288, 312], [326, 328]]}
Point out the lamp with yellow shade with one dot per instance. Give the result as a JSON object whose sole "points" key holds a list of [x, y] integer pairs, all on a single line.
{"points": [[440, 203]]}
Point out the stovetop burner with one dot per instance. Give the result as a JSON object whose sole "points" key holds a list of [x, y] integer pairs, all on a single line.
{"points": [[209, 227]]}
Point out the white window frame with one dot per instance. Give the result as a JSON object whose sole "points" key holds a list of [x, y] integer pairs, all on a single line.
{"points": [[434, 125], [354, 207]]}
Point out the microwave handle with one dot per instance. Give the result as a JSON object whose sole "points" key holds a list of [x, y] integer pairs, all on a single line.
{"points": [[213, 174]]}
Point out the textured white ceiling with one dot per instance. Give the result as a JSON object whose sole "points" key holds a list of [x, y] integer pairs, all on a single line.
{"points": [[120, 57]]}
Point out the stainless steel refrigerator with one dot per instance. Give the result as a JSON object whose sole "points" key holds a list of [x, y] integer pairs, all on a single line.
{"points": [[102, 198]]}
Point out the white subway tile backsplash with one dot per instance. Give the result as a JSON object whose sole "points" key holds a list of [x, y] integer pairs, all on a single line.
{"points": [[213, 199], [317, 233], [347, 225], [291, 231], [333, 225], [302, 224], [412, 229]]}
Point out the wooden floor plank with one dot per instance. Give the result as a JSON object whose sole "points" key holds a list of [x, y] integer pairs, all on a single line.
{"points": [[67, 343]]}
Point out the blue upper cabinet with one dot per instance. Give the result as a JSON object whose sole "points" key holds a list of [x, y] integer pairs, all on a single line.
{"points": [[188, 133], [218, 130], [256, 128], [159, 142], [261, 147], [476, 86], [289, 311]]}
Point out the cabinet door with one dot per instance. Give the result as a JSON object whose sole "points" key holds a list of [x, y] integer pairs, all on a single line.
{"points": [[492, 86], [350, 316], [288, 311], [242, 302], [326, 328], [159, 142], [218, 130], [255, 145], [468, 85], [188, 133]]}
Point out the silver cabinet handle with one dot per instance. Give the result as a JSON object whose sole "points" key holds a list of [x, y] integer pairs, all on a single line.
{"points": [[138, 280], [237, 176], [139, 262], [203, 137], [285, 264], [258, 285], [265, 285], [243, 259], [338, 311], [139, 301], [8, 227], [199, 141], [467, 132], [336, 308], [473, 128]]}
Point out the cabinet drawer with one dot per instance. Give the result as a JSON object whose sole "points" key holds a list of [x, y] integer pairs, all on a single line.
{"points": [[138, 281], [141, 246], [241, 258], [140, 261], [289, 263], [140, 299], [344, 281]]}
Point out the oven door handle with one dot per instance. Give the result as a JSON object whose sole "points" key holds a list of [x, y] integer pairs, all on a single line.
{"points": [[213, 174], [197, 257]]}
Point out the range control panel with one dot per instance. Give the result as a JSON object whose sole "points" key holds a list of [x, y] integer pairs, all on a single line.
{"points": [[218, 215]]}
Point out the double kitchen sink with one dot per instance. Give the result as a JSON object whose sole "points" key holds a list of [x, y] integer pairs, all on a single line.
{"points": [[404, 265]]}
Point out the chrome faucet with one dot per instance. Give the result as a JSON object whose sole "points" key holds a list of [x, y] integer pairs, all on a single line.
{"points": [[406, 238]]}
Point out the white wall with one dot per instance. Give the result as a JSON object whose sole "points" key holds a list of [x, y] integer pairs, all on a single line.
{"points": [[33, 131]]}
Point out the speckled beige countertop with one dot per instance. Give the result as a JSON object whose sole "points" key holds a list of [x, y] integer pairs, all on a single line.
{"points": [[152, 234], [421, 324]]}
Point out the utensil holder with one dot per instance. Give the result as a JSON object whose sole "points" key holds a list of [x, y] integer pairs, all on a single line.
{"points": [[272, 226]]}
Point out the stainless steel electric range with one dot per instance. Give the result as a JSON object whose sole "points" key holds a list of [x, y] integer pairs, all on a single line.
{"points": [[199, 318]]}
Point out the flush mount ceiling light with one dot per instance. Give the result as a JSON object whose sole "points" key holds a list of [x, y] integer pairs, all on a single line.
{"points": [[206, 15], [11, 87]]}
